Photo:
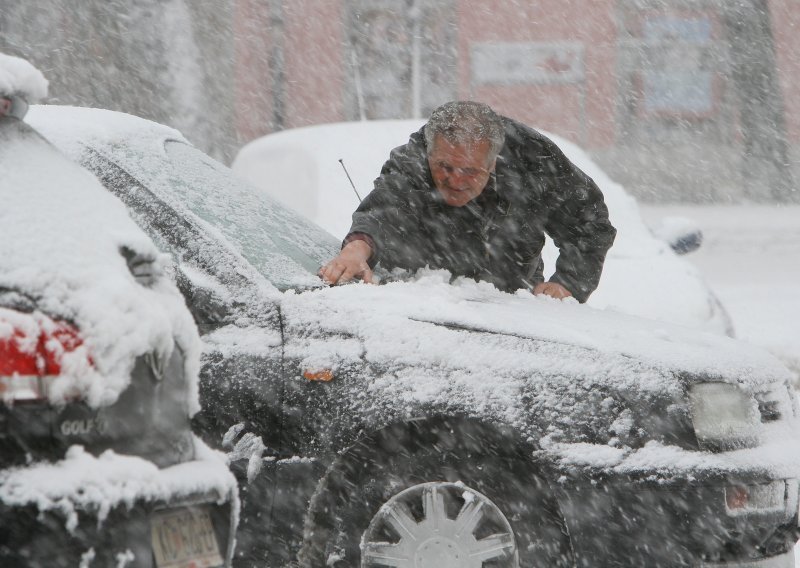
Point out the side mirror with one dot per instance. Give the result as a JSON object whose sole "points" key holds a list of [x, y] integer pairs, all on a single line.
{"points": [[681, 234]]}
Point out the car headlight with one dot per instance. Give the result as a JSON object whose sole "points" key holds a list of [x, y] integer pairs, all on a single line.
{"points": [[724, 416]]}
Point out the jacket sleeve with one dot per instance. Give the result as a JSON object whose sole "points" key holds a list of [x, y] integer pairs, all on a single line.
{"points": [[377, 216], [387, 213], [579, 225]]}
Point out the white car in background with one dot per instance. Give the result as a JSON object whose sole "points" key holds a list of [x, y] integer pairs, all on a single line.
{"points": [[304, 168]]}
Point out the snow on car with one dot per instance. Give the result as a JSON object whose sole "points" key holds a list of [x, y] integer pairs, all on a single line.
{"points": [[304, 168], [423, 421], [98, 374]]}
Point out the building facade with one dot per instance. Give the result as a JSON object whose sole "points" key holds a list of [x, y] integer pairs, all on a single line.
{"points": [[655, 90]]}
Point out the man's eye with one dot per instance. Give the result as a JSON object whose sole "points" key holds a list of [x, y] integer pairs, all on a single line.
{"points": [[468, 172]]}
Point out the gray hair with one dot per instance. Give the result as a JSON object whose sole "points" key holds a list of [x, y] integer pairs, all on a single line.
{"points": [[466, 121]]}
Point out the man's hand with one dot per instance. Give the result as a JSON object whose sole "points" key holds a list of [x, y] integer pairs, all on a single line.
{"points": [[350, 263], [552, 289]]}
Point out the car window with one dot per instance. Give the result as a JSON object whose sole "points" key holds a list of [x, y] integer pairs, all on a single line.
{"points": [[280, 244]]}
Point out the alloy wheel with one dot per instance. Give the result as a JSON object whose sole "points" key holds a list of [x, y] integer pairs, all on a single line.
{"points": [[439, 525]]}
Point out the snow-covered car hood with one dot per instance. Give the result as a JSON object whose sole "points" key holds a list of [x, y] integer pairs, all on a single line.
{"points": [[390, 320], [567, 377]]}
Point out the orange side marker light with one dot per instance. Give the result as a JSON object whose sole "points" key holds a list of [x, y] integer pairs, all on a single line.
{"points": [[318, 375]]}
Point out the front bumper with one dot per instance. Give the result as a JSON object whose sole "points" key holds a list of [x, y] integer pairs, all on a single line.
{"points": [[785, 560], [682, 523]]}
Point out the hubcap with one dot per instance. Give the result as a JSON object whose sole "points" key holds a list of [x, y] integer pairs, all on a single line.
{"points": [[438, 525]]}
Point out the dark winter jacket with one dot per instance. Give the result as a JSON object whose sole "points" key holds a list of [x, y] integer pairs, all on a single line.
{"points": [[497, 237]]}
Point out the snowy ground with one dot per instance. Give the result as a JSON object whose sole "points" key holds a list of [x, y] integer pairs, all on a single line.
{"points": [[751, 258]]}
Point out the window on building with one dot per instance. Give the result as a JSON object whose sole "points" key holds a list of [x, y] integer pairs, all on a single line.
{"points": [[402, 57], [677, 76]]}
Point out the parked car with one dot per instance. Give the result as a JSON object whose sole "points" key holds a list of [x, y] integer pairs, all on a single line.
{"points": [[421, 422], [643, 275], [98, 375]]}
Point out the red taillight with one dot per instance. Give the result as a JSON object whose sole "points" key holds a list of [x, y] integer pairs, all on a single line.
{"points": [[32, 348], [16, 359]]}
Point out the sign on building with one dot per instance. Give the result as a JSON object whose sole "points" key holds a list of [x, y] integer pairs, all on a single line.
{"points": [[527, 63]]}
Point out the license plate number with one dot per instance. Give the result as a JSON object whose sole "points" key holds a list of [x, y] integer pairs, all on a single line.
{"points": [[184, 538]]}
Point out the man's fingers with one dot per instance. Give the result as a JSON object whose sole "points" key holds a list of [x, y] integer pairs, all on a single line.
{"points": [[361, 270], [332, 272], [348, 274], [350, 263], [366, 275], [339, 271], [552, 289]]}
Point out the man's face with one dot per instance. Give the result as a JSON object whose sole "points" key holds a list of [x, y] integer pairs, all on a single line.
{"points": [[460, 171]]}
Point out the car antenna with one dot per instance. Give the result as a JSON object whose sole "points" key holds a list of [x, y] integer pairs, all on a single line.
{"points": [[341, 161]]}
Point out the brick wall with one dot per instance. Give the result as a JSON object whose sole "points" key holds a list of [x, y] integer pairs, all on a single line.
{"points": [[579, 106]]}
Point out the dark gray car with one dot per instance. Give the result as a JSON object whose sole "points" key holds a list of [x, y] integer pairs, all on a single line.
{"points": [[423, 423]]}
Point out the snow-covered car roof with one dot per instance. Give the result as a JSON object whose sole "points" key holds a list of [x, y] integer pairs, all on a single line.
{"points": [[301, 168], [71, 129], [62, 245]]}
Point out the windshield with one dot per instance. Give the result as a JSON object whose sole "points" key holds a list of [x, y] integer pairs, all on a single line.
{"points": [[282, 245]]}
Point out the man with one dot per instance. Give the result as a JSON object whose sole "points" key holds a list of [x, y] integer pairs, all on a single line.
{"points": [[474, 193]]}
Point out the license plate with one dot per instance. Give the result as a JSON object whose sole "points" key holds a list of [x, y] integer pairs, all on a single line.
{"points": [[184, 538]]}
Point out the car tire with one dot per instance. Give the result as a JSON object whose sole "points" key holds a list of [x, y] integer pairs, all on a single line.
{"points": [[406, 467]]}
